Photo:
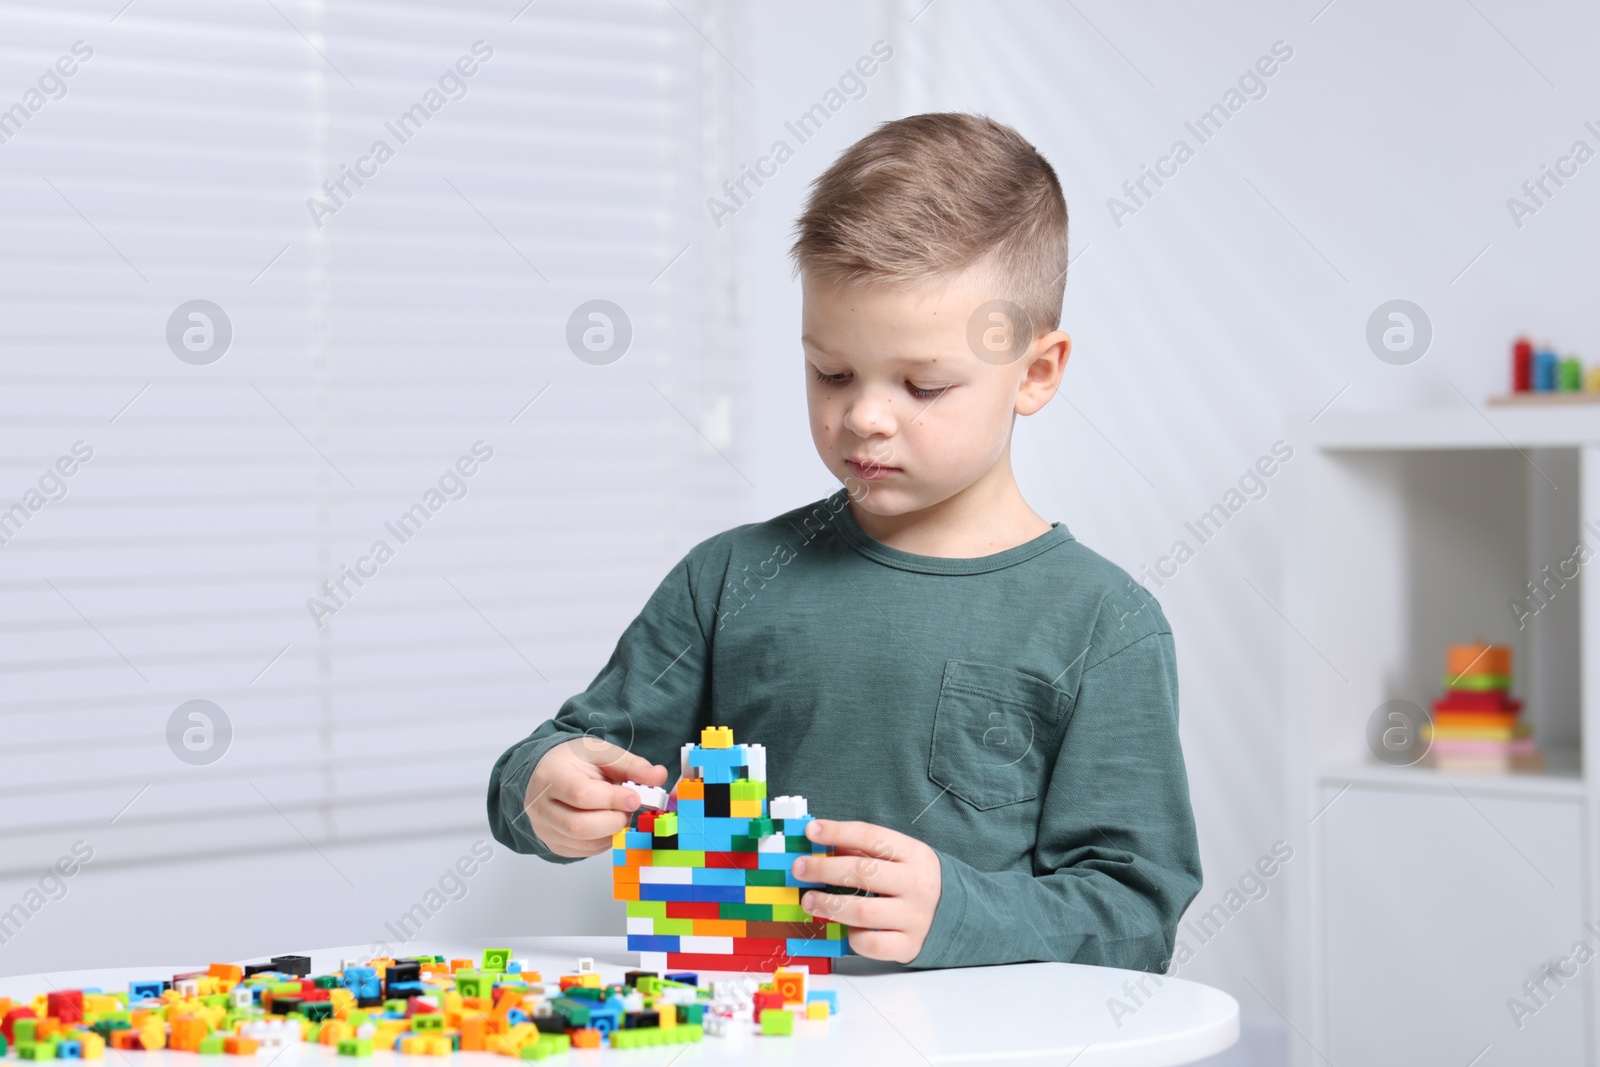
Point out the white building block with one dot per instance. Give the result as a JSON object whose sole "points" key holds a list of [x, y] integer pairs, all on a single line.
{"points": [[668, 876], [651, 797], [718, 946], [755, 762], [585, 964], [684, 770], [641, 924], [788, 807], [770, 843], [653, 961]]}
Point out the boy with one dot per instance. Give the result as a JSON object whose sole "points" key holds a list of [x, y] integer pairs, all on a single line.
{"points": [[986, 710]]}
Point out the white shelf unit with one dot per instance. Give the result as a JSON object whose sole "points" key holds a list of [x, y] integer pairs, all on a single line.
{"points": [[1429, 899]]}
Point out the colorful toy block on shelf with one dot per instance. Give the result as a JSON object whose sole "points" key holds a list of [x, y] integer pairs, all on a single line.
{"points": [[420, 1005], [1477, 726], [1541, 376], [708, 881]]}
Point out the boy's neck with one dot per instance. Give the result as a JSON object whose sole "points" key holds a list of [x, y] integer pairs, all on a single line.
{"points": [[986, 517]]}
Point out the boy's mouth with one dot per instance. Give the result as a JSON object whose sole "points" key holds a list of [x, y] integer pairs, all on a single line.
{"points": [[869, 471]]}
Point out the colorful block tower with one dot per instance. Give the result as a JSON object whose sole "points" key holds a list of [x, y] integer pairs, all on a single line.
{"points": [[708, 880], [1477, 725]]}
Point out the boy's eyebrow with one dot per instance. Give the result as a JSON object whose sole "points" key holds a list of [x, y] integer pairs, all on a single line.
{"points": [[807, 339]]}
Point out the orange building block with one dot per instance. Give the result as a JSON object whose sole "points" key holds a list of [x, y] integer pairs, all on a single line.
{"points": [[474, 1028], [187, 1033], [226, 970], [625, 891], [234, 1045], [584, 1038], [691, 789]]}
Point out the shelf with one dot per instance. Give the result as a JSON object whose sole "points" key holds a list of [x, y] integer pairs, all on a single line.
{"points": [[1561, 779], [1519, 426]]}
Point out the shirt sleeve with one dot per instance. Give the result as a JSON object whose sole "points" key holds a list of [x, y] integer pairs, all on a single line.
{"points": [[651, 695], [1116, 861]]}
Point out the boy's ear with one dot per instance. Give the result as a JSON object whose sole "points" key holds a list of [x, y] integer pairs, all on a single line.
{"points": [[1043, 376]]}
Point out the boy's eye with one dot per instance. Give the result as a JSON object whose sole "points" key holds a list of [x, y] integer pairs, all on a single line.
{"points": [[915, 390], [831, 379]]}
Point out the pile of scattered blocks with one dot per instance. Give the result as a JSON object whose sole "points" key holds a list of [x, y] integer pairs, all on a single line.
{"points": [[420, 1005], [707, 873]]}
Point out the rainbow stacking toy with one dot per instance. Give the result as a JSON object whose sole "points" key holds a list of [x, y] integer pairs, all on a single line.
{"points": [[707, 872]]}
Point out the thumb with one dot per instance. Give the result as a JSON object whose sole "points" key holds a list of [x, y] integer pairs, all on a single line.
{"points": [[624, 766]]}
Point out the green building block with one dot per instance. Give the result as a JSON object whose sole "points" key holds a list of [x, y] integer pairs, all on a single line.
{"points": [[22, 1032], [797, 844], [789, 913], [777, 1022], [645, 1037], [672, 857], [318, 1010], [211, 1045], [674, 927], [496, 959], [666, 824], [761, 827], [428, 1024], [744, 789], [355, 1046], [764, 877], [2, 1044], [395, 1006], [693, 1014], [546, 1045], [472, 984], [326, 981], [647, 909], [748, 912]]}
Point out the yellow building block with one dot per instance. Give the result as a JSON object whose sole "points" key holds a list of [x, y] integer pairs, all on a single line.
{"points": [[620, 838], [817, 1009], [94, 1046], [744, 809], [716, 737], [153, 1035], [772, 894]]}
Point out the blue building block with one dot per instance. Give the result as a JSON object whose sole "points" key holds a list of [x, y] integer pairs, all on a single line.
{"points": [[69, 1050], [144, 990], [815, 946], [686, 977], [652, 943], [829, 995], [692, 841], [790, 879], [619, 857], [776, 861], [718, 876], [716, 894], [691, 809], [732, 758], [639, 839]]}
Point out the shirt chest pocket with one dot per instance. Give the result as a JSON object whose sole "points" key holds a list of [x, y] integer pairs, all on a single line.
{"points": [[991, 730]]}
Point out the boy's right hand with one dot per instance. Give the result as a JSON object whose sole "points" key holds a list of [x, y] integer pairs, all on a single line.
{"points": [[573, 800]]}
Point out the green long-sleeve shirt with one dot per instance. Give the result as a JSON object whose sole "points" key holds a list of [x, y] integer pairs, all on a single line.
{"points": [[1018, 712]]}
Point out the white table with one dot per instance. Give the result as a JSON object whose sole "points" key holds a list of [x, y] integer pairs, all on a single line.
{"points": [[888, 1015]]}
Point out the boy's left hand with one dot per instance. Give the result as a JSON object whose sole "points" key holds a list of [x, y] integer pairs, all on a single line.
{"points": [[902, 871]]}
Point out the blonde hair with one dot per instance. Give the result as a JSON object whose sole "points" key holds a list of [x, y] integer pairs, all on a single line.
{"points": [[929, 196]]}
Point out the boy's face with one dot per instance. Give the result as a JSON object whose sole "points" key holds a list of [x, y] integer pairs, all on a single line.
{"points": [[893, 382]]}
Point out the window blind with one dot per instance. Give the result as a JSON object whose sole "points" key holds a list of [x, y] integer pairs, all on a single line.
{"points": [[381, 359]]}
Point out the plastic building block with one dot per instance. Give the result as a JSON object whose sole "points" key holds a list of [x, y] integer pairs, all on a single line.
{"points": [[716, 737], [777, 1022], [826, 996], [355, 1046]]}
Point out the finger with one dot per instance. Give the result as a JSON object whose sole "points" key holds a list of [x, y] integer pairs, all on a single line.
{"points": [[583, 825], [873, 913], [615, 762], [889, 945], [855, 872], [590, 795], [862, 836], [625, 766]]}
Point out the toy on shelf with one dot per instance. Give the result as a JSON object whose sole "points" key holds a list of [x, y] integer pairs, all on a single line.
{"points": [[419, 1005], [709, 882], [1477, 726], [1541, 376]]}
